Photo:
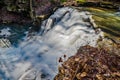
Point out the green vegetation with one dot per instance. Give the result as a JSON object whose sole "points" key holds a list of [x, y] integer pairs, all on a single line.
{"points": [[107, 21], [63, 1], [80, 1]]}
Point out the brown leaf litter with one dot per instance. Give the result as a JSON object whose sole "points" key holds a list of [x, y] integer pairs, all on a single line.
{"points": [[90, 64]]}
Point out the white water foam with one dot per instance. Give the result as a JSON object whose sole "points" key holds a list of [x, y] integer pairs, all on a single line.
{"points": [[5, 32], [37, 58]]}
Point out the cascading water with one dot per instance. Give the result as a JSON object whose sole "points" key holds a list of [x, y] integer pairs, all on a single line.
{"points": [[37, 57]]}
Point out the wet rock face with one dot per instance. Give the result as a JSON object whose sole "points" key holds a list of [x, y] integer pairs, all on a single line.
{"points": [[43, 8], [90, 63], [12, 17], [18, 11]]}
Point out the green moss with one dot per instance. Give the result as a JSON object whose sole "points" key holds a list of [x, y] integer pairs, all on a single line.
{"points": [[63, 1], [107, 21], [80, 1]]}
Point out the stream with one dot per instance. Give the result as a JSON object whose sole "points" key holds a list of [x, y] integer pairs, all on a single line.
{"points": [[37, 54]]}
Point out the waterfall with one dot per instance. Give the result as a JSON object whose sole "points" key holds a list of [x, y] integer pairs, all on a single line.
{"points": [[37, 58]]}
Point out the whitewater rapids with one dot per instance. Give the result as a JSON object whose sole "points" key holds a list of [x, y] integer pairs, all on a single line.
{"points": [[37, 56]]}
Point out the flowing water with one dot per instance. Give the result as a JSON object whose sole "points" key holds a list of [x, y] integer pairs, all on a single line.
{"points": [[36, 56]]}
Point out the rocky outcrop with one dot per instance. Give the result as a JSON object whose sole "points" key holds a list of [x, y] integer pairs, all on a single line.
{"points": [[24, 11], [27, 11], [90, 63]]}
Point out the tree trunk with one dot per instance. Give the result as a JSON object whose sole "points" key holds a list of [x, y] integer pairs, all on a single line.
{"points": [[32, 13]]}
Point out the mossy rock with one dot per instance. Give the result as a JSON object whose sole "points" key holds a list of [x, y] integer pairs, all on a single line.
{"points": [[89, 4], [80, 1], [107, 21]]}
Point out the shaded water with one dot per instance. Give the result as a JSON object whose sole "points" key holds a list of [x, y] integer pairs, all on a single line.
{"points": [[36, 57]]}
